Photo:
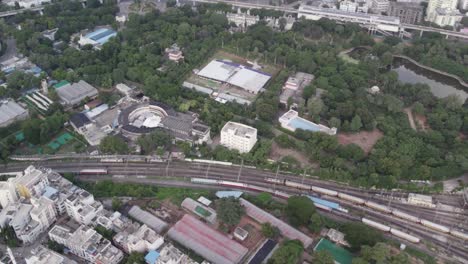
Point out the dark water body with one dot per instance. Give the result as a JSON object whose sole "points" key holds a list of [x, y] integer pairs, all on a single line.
{"points": [[441, 86]]}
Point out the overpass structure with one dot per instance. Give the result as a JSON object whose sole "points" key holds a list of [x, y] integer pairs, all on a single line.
{"points": [[386, 25], [22, 10]]}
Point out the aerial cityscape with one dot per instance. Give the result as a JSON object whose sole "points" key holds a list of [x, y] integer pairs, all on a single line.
{"points": [[233, 132]]}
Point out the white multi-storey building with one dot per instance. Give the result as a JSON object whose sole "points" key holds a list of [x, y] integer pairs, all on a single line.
{"points": [[238, 136], [443, 12], [86, 243], [463, 5], [7, 192], [379, 6], [43, 255], [28, 220], [142, 240], [348, 6], [82, 207], [43, 212], [31, 183]]}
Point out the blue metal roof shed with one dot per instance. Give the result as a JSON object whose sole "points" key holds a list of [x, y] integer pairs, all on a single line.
{"points": [[151, 257], [326, 203], [225, 194]]}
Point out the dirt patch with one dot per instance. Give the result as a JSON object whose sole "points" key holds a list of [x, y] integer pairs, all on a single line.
{"points": [[421, 122], [409, 113], [365, 139], [255, 237], [277, 153]]}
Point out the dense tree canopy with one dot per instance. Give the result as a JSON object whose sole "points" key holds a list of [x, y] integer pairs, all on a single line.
{"points": [[299, 210], [229, 211]]}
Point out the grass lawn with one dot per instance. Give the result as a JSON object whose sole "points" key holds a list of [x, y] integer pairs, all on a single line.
{"points": [[177, 195]]}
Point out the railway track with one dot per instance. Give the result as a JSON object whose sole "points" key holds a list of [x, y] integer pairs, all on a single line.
{"points": [[430, 235]]}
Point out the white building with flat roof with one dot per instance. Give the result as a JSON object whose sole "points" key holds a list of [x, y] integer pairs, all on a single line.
{"points": [[420, 200], [86, 243], [43, 255], [142, 240], [8, 192], [238, 136], [26, 3], [379, 6], [82, 207], [11, 112], [31, 183]]}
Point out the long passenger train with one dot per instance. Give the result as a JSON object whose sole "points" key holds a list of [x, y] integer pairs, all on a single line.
{"points": [[316, 201], [370, 204]]}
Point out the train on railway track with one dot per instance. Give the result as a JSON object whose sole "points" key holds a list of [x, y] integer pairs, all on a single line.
{"points": [[99, 171], [370, 204], [319, 203], [393, 231]]}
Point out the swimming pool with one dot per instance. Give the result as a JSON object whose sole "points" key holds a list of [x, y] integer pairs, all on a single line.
{"points": [[301, 123]]}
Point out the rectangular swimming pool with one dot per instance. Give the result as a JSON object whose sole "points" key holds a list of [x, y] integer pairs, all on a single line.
{"points": [[301, 123]]}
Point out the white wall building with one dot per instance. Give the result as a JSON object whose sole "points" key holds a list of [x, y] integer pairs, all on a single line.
{"points": [[142, 240], [238, 136], [26, 3], [86, 243], [379, 6], [31, 183], [7, 192], [443, 12], [420, 200], [43, 255], [82, 207], [348, 6]]}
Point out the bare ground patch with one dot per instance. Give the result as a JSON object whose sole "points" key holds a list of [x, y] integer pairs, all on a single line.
{"points": [[365, 139], [277, 153]]}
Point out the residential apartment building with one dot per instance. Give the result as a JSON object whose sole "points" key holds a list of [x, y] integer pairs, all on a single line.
{"points": [[31, 183], [28, 220], [86, 243], [142, 239], [443, 12], [7, 192], [82, 207], [238, 136], [409, 13], [379, 6], [43, 255], [348, 6]]}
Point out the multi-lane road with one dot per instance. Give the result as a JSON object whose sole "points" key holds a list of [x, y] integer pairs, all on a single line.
{"points": [[165, 172]]}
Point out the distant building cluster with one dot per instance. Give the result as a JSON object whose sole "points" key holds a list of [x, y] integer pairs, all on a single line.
{"points": [[19, 63], [35, 199]]}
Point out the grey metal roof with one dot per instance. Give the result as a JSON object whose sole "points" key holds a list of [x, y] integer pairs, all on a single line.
{"points": [[9, 111], [148, 219], [74, 93]]}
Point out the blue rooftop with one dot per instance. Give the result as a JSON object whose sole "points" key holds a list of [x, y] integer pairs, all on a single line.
{"points": [[101, 35], [225, 194], [151, 257], [326, 203], [301, 123]]}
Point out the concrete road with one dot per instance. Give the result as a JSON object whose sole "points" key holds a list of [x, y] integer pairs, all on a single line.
{"points": [[10, 51]]}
